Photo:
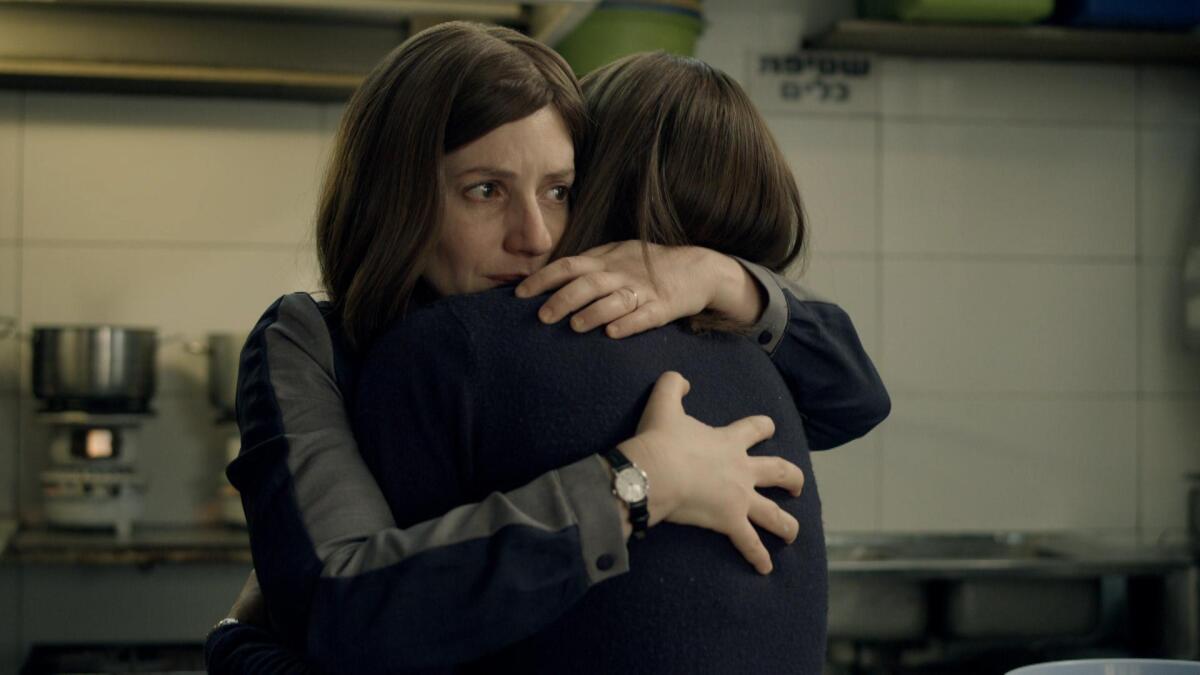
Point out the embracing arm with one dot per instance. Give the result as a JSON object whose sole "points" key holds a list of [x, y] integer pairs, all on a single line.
{"points": [[816, 349], [319, 524], [812, 342]]}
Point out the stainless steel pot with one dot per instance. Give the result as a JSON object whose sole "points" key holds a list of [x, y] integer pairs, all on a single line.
{"points": [[95, 368], [224, 356]]}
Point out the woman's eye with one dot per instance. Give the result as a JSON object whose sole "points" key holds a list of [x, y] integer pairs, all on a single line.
{"points": [[559, 193], [482, 191]]}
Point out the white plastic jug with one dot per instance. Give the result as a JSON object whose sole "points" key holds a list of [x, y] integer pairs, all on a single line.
{"points": [[1111, 667]]}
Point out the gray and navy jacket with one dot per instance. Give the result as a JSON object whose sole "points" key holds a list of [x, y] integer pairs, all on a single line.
{"points": [[332, 561]]}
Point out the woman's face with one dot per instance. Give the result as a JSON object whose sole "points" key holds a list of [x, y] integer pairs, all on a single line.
{"points": [[504, 204]]}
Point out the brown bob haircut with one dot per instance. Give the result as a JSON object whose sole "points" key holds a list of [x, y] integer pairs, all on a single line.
{"points": [[379, 215], [678, 155]]}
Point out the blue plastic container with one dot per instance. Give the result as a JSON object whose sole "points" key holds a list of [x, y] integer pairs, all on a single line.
{"points": [[1153, 14], [1111, 667]]}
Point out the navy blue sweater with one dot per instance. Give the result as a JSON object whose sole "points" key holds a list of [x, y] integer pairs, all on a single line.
{"points": [[473, 395]]}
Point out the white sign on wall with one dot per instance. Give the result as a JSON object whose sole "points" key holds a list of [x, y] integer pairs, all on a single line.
{"points": [[809, 81]]}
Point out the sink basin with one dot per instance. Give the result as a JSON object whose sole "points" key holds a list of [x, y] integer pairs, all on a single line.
{"points": [[886, 587], [1023, 607], [876, 609], [949, 548]]}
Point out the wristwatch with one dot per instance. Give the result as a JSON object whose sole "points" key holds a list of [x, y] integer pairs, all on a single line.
{"points": [[227, 621], [631, 485]]}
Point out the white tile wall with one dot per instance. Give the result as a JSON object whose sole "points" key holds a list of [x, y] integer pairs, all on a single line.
{"points": [[1169, 96], [1031, 235], [9, 284], [331, 117], [1005, 190], [160, 169], [1008, 91], [848, 481], [977, 326], [1169, 202], [10, 163], [834, 161], [1167, 365], [187, 291], [1170, 449], [1025, 463]]}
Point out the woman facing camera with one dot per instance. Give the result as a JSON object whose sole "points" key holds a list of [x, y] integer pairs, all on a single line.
{"points": [[454, 173], [471, 394]]}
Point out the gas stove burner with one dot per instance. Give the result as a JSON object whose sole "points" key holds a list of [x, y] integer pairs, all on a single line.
{"points": [[98, 406], [91, 480], [93, 498]]}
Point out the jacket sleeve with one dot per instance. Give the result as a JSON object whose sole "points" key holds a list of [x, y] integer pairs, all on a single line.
{"points": [[327, 549], [242, 649], [816, 349]]}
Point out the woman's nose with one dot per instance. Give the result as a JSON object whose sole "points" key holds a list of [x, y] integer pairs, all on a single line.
{"points": [[528, 231]]}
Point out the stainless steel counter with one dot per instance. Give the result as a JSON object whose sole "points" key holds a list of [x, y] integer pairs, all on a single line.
{"points": [[962, 555], [147, 546], [957, 588]]}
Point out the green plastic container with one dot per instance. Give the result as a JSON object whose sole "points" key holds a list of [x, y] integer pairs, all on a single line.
{"points": [[958, 11], [609, 33]]}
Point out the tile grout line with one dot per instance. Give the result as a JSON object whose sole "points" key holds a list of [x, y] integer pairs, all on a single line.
{"points": [[1018, 122], [1044, 396], [18, 454], [1139, 328], [880, 333], [1048, 259], [1013, 123]]}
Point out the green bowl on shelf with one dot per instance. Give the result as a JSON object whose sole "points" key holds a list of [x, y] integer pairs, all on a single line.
{"points": [[619, 29]]}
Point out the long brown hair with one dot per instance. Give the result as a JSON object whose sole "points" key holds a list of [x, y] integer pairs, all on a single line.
{"points": [[379, 215], [677, 154]]}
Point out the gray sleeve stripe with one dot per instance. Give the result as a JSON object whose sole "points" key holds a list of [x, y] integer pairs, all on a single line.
{"points": [[340, 503], [542, 505], [588, 486], [774, 318]]}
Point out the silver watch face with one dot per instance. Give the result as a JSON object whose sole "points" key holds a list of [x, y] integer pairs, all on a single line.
{"points": [[630, 485]]}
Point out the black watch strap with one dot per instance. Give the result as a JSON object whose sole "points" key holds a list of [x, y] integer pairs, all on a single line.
{"points": [[639, 513]]}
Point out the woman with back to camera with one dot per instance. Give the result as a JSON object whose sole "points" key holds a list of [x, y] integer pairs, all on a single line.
{"points": [[490, 398], [323, 538]]}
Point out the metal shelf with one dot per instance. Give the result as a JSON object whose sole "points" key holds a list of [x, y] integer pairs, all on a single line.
{"points": [[148, 546], [297, 49], [1011, 42], [44, 74]]}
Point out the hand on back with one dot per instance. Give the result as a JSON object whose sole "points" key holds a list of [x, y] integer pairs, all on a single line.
{"points": [[702, 476]]}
